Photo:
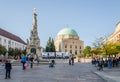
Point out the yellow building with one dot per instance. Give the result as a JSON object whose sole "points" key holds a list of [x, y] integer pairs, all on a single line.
{"points": [[115, 36], [67, 40]]}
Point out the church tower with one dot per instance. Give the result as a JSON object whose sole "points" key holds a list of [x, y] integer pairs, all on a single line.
{"points": [[34, 46]]}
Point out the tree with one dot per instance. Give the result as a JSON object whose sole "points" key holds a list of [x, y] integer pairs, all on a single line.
{"points": [[103, 46], [96, 51], [16, 52], [3, 50], [53, 46], [87, 51], [118, 47], [106, 46], [98, 42], [111, 48], [50, 47], [11, 51]]}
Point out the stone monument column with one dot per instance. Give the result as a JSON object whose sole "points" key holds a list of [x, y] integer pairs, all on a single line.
{"points": [[34, 46]]}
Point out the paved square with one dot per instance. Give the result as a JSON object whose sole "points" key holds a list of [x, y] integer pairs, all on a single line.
{"points": [[61, 73]]}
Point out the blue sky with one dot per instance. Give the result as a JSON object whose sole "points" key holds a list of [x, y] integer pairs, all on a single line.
{"points": [[90, 18]]}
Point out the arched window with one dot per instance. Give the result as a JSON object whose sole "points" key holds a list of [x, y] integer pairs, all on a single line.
{"points": [[75, 47], [75, 52], [80, 47], [66, 46]]}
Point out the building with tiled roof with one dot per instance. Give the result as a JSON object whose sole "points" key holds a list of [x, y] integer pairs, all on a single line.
{"points": [[9, 40]]}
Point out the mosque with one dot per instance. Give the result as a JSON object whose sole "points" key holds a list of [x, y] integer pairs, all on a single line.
{"points": [[67, 40]]}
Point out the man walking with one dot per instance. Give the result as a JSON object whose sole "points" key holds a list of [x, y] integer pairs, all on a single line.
{"points": [[8, 68]]}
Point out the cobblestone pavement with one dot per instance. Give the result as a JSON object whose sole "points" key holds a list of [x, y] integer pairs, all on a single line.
{"points": [[80, 72], [110, 75], [2, 71]]}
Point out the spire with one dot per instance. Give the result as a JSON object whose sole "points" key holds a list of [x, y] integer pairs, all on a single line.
{"points": [[34, 19]]}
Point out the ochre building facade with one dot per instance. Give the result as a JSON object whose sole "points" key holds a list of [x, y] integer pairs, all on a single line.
{"points": [[115, 36]]}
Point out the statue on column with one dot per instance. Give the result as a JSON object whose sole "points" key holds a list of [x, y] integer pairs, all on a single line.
{"points": [[27, 42]]}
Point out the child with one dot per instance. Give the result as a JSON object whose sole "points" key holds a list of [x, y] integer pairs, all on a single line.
{"points": [[8, 68]]}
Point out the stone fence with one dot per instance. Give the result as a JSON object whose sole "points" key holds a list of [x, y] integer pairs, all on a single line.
{"points": [[85, 60]]}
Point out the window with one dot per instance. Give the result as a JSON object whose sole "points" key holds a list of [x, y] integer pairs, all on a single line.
{"points": [[4, 40], [76, 52], [75, 47], [80, 47], [70, 46], [80, 51], [8, 46], [66, 46], [9, 42]]}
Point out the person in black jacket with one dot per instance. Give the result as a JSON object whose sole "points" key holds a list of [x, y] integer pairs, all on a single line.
{"points": [[31, 61], [8, 68]]}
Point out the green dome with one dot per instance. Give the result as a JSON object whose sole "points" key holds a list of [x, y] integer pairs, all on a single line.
{"points": [[68, 31]]}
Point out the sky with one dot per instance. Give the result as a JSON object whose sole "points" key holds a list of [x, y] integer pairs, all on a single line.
{"points": [[91, 19]]}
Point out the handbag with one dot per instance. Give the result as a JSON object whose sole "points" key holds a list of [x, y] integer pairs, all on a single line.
{"points": [[26, 65]]}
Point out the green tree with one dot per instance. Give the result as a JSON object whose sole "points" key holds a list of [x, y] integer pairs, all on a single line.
{"points": [[107, 49], [96, 51], [53, 46], [15, 52], [111, 48], [11, 51], [50, 47], [2, 50], [102, 46], [117, 47], [87, 51]]}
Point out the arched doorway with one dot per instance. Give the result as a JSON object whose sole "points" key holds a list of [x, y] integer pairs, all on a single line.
{"points": [[33, 50]]}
